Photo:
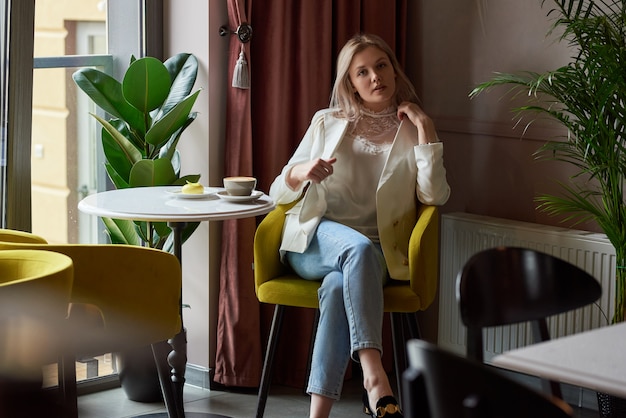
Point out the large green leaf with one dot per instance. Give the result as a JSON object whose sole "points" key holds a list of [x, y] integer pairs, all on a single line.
{"points": [[169, 149], [183, 69], [176, 118], [118, 181], [157, 172], [132, 154], [146, 84], [115, 155], [191, 178], [121, 231], [106, 92]]}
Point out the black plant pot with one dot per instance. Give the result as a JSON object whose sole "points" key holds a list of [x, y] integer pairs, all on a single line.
{"points": [[138, 375], [610, 406]]}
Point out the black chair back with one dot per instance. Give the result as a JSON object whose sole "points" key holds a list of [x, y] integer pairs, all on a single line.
{"points": [[439, 384], [509, 285]]}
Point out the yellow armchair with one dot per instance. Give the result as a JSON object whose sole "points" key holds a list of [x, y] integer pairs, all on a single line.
{"points": [[277, 284], [136, 291], [35, 290]]}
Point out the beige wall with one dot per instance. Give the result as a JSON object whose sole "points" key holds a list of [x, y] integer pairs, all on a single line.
{"points": [[491, 168], [195, 29]]}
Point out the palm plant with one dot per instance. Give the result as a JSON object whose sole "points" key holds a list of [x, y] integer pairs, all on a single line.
{"points": [[588, 97]]}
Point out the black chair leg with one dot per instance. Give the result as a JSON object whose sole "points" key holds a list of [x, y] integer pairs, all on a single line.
{"points": [[416, 405], [404, 326], [541, 333], [316, 322], [266, 376], [67, 382], [398, 340], [413, 326]]}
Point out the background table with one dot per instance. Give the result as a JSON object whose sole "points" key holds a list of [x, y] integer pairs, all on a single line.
{"points": [[166, 204], [592, 359]]}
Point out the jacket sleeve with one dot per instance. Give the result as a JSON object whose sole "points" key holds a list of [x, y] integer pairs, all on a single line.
{"points": [[310, 147], [432, 186]]}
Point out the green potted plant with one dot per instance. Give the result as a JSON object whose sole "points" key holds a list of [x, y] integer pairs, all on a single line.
{"points": [[149, 111], [588, 98]]}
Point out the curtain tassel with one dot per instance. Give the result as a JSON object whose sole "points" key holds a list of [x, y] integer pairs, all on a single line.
{"points": [[241, 78]]}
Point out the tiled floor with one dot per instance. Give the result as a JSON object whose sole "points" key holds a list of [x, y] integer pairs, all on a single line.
{"points": [[283, 403]]}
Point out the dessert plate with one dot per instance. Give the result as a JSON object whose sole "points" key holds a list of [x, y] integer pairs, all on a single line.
{"points": [[180, 195]]}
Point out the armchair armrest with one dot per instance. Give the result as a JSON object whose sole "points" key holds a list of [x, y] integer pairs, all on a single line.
{"points": [[424, 255], [267, 239]]}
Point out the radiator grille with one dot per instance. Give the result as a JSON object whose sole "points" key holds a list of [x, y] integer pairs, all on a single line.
{"points": [[463, 235]]}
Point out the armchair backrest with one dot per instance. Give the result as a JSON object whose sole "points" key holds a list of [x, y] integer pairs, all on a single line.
{"points": [[136, 289], [268, 236]]}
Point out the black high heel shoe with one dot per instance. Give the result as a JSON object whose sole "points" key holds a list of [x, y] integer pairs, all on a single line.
{"points": [[387, 406]]}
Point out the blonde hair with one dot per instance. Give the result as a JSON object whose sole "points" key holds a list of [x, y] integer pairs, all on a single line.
{"points": [[347, 103]]}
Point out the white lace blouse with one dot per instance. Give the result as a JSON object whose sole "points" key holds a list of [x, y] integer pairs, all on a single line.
{"points": [[361, 157]]}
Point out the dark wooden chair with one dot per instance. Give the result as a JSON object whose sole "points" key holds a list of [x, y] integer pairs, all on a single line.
{"points": [[509, 285], [439, 384]]}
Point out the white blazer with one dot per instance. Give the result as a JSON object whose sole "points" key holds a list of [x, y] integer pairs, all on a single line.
{"points": [[413, 173]]}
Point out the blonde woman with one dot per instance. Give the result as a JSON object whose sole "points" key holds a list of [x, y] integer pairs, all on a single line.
{"points": [[364, 165]]}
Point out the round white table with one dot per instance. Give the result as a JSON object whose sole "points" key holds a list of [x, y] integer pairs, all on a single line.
{"points": [[168, 204]]}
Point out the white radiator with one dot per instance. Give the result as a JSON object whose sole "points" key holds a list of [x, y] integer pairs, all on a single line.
{"points": [[463, 235]]}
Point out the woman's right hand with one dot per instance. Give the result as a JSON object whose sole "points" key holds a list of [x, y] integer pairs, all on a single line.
{"points": [[314, 171]]}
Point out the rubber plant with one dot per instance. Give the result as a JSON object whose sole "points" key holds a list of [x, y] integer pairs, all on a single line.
{"points": [[148, 111], [588, 98]]}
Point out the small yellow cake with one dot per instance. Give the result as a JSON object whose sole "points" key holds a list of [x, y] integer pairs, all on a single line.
{"points": [[193, 188]]}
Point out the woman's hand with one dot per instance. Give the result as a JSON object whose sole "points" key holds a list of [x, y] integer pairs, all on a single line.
{"points": [[426, 132], [314, 171]]}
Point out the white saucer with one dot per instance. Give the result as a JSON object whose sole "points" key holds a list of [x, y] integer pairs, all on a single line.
{"points": [[179, 194], [254, 196]]}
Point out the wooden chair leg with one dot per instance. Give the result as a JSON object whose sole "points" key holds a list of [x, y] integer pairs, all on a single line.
{"points": [[266, 376]]}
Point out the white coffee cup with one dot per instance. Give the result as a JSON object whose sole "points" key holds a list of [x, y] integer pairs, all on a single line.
{"points": [[239, 185]]}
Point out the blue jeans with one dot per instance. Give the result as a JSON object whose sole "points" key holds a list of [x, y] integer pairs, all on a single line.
{"points": [[353, 271]]}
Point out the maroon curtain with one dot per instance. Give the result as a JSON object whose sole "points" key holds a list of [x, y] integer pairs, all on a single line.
{"points": [[238, 348], [293, 48]]}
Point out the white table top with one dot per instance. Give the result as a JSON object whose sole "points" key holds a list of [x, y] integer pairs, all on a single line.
{"points": [[166, 205], [592, 359]]}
